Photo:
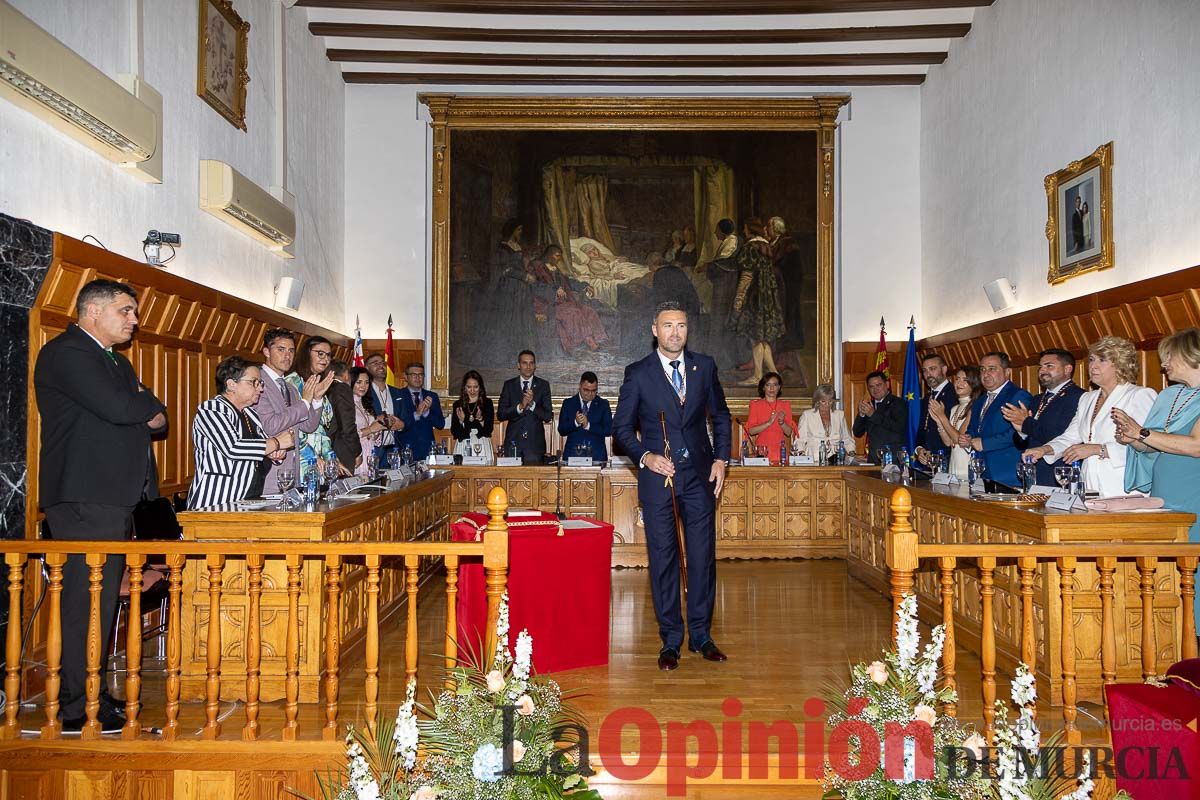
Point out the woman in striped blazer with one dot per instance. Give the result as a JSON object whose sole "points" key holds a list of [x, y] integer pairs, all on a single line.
{"points": [[227, 435]]}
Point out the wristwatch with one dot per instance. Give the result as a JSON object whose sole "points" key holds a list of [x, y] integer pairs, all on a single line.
{"points": [[1143, 433]]}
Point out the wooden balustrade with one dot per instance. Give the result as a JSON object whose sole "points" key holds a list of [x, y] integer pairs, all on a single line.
{"points": [[378, 558], [905, 555]]}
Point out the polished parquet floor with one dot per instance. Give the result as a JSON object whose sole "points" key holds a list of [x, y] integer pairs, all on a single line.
{"points": [[789, 628]]}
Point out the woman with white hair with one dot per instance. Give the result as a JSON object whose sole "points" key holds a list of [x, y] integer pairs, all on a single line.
{"points": [[823, 423]]}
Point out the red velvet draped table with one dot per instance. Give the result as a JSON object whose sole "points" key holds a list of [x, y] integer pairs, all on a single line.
{"points": [[558, 589]]}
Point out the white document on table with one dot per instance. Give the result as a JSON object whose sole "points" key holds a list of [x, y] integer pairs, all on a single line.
{"points": [[578, 524]]}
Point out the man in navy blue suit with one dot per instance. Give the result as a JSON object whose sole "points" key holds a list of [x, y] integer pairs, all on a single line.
{"points": [[421, 411], [585, 418], [989, 432], [933, 369], [680, 391], [384, 400], [1050, 412]]}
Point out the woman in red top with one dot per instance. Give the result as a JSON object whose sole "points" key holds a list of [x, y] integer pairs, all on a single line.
{"points": [[769, 421]]}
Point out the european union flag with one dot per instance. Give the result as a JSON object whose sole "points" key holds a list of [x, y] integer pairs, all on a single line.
{"points": [[912, 387]]}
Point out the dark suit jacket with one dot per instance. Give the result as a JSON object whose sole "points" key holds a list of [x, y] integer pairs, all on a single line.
{"points": [[647, 392], [999, 452], [887, 427], [95, 442], [927, 432], [418, 433], [343, 431], [1051, 422], [599, 418], [526, 429]]}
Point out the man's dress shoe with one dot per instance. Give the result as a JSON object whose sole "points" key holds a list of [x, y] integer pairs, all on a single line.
{"points": [[709, 650], [668, 659]]}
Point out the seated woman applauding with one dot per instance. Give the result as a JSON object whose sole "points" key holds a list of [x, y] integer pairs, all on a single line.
{"points": [[232, 454], [823, 423], [1092, 436], [769, 420]]}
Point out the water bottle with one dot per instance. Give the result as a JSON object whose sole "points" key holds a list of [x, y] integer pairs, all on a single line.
{"points": [[841, 453], [745, 449], [309, 478], [407, 456], [904, 473], [1077, 479], [823, 454], [783, 452], [887, 457]]}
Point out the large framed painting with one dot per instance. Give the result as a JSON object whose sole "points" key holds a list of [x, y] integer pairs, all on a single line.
{"points": [[221, 75], [1079, 223], [560, 223]]}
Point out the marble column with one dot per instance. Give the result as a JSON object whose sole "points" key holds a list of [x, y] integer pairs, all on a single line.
{"points": [[25, 254]]}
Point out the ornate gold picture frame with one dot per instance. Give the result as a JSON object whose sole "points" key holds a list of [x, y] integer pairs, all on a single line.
{"points": [[1079, 222], [221, 75], [642, 118]]}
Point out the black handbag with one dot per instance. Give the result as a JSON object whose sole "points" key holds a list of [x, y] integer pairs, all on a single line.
{"points": [[154, 519]]}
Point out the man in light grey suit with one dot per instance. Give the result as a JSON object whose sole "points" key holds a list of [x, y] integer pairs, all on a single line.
{"points": [[281, 407]]}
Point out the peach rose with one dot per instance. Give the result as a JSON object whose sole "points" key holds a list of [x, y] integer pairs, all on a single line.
{"points": [[495, 681], [518, 750], [878, 672], [925, 713], [424, 793], [975, 743], [525, 705]]}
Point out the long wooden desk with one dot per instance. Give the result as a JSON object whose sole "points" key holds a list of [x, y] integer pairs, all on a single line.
{"points": [[765, 512], [420, 511], [948, 516]]}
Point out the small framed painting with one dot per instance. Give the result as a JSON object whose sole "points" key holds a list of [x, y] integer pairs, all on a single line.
{"points": [[1079, 224], [221, 75]]}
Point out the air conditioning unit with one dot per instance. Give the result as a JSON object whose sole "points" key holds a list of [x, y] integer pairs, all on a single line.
{"points": [[233, 198], [42, 75]]}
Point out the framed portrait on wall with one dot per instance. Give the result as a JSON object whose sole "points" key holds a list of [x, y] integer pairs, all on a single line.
{"points": [[1079, 224], [221, 75]]}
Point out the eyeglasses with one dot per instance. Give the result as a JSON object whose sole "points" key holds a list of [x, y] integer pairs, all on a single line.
{"points": [[257, 383], [322, 353]]}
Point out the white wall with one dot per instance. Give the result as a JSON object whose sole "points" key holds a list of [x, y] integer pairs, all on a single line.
{"points": [[53, 181], [1034, 86], [387, 190]]}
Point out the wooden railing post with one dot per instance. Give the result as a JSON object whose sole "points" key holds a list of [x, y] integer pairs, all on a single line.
{"points": [[946, 566], [212, 682], [495, 566], [333, 643], [175, 562], [451, 616], [1146, 568], [133, 648], [901, 550], [1106, 566], [291, 679], [1187, 595], [254, 570], [12, 646], [95, 564], [987, 641], [371, 648], [54, 566], [412, 567], [1066, 569]]}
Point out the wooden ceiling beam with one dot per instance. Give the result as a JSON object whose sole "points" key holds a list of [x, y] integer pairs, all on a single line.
{"points": [[522, 79], [644, 8], [437, 33], [634, 61]]}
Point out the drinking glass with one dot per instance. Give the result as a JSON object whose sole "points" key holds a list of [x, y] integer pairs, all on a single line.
{"points": [[287, 479], [1063, 474], [477, 446], [1026, 472], [394, 460], [761, 450]]}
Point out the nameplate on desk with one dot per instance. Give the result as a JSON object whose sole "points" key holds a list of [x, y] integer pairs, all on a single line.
{"points": [[292, 497], [436, 460], [756, 461], [1065, 501], [579, 461], [800, 461], [508, 461], [477, 461], [942, 479]]}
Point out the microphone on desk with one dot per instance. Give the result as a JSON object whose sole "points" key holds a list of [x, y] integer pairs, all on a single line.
{"points": [[558, 486]]}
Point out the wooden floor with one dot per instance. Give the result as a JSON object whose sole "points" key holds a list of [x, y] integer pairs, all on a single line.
{"points": [[789, 628]]}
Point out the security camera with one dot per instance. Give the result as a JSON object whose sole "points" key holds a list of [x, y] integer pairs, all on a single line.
{"points": [[153, 243]]}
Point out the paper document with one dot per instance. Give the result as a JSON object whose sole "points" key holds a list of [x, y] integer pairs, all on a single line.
{"points": [[576, 524]]}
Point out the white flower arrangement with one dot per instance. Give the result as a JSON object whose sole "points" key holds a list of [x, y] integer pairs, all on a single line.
{"points": [[458, 749]]}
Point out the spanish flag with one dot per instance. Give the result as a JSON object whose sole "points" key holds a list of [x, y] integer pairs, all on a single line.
{"points": [[389, 356], [881, 353]]}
